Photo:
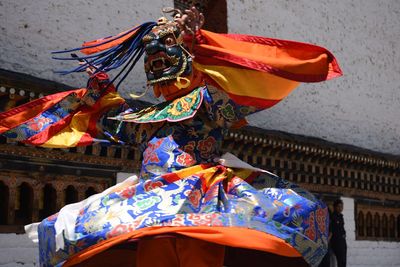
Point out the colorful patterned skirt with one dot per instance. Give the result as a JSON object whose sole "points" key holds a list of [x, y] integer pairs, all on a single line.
{"points": [[234, 207]]}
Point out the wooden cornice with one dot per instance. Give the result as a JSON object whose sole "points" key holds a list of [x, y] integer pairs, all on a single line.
{"points": [[53, 160], [351, 192], [312, 148], [21, 81]]}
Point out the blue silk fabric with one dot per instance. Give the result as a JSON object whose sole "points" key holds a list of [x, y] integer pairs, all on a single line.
{"points": [[269, 204]]}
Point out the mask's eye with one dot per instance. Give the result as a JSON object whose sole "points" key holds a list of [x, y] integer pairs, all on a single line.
{"points": [[169, 40]]}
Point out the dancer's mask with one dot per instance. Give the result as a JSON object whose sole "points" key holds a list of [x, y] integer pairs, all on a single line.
{"points": [[165, 57]]}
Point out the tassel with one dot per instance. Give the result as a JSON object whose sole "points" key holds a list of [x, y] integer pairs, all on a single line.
{"points": [[123, 50]]}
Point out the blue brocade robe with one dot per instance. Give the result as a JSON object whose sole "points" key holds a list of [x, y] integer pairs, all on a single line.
{"points": [[182, 184]]}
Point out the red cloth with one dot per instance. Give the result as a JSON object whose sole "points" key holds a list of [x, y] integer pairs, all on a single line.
{"points": [[179, 251]]}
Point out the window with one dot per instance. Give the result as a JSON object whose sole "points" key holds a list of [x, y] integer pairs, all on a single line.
{"points": [[392, 227], [23, 213], [49, 201], [369, 225], [377, 225], [385, 230], [71, 195], [398, 226], [360, 224], [4, 198], [90, 191], [277, 164]]}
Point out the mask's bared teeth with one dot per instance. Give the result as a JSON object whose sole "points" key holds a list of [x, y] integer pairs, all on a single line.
{"points": [[159, 63]]}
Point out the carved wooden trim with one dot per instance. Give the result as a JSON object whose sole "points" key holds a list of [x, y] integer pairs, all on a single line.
{"points": [[16, 80], [377, 222], [319, 165], [37, 183], [54, 154]]}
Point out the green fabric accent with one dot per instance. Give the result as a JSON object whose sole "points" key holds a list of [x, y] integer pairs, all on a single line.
{"points": [[179, 109]]}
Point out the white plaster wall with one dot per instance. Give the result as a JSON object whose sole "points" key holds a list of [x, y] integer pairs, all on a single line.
{"points": [[361, 108], [367, 253], [30, 30], [17, 251]]}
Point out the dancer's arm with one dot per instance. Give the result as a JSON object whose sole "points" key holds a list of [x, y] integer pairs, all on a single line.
{"points": [[72, 118]]}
